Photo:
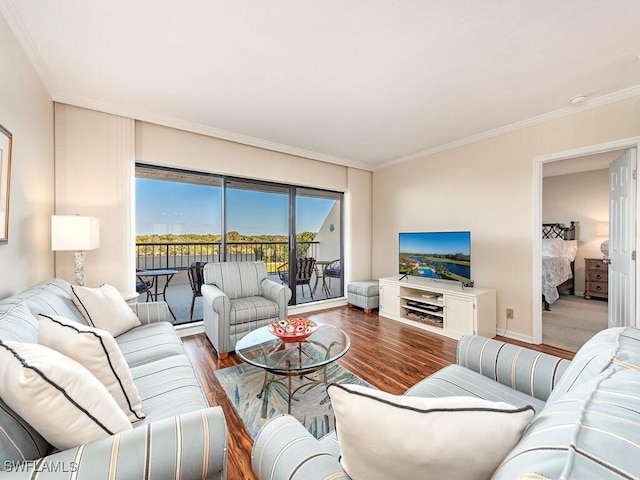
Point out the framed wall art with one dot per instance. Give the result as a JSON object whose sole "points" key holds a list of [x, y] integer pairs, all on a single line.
{"points": [[5, 180]]}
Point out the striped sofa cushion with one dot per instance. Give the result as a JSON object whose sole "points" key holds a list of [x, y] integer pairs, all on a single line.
{"points": [[236, 279], [597, 356], [590, 432], [19, 441], [517, 367], [590, 426], [456, 380], [168, 387], [18, 324], [148, 343], [51, 297]]}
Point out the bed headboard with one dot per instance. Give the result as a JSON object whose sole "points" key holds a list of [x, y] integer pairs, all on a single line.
{"points": [[558, 230]]}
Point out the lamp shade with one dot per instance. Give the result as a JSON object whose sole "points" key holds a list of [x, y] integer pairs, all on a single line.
{"points": [[602, 229], [73, 232]]}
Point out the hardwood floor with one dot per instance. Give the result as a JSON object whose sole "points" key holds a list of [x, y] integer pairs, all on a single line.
{"points": [[389, 355]]}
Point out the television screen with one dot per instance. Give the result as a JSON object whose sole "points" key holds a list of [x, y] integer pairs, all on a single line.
{"points": [[444, 255]]}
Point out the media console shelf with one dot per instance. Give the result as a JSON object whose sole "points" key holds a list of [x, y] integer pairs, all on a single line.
{"points": [[439, 306]]}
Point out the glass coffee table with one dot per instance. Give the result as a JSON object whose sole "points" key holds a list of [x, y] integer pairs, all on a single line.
{"points": [[281, 361]]}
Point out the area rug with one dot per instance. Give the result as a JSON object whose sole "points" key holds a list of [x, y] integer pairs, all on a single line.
{"points": [[310, 405]]}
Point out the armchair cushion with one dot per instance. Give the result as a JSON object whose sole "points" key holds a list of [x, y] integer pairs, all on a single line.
{"points": [[252, 308], [236, 279], [60, 398], [98, 352]]}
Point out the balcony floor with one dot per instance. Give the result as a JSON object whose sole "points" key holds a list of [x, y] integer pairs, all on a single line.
{"points": [[179, 295]]}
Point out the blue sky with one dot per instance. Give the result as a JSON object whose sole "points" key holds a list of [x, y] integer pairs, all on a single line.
{"points": [[440, 242], [171, 207]]}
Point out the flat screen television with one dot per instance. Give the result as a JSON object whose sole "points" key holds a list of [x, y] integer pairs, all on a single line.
{"points": [[438, 255]]}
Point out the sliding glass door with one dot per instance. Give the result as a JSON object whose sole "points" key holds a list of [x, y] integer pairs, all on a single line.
{"points": [[184, 217], [318, 235]]}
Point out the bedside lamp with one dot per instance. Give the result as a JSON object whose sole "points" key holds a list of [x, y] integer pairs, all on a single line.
{"points": [[73, 232]]}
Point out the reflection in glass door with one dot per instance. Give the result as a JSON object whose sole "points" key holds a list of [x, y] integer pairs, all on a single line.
{"points": [[318, 236], [257, 225]]}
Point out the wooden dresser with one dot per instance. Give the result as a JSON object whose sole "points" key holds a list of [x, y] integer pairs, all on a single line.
{"points": [[596, 278]]}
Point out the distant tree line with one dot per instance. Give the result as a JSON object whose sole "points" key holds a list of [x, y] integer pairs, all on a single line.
{"points": [[267, 248]]}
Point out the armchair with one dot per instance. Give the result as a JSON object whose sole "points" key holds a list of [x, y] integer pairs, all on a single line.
{"points": [[239, 298]]}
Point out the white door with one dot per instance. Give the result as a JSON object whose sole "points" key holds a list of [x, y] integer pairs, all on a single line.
{"points": [[622, 239]]}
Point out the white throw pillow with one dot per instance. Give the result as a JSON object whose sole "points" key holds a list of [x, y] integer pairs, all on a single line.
{"points": [[384, 436], [104, 308], [98, 352], [57, 396]]}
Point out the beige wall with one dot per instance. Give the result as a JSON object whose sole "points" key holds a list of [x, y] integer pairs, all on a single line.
{"points": [[487, 188], [94, 177], [584, 198], [358, 218], [26, 110], [164, 146]]}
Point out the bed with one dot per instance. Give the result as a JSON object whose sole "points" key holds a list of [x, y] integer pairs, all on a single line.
{"points": [[559, 249]]}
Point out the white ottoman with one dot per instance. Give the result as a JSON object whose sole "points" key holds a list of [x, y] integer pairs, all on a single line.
{"points": [[364, 295]]}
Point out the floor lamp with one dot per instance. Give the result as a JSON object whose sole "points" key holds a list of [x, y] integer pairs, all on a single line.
{"points": [[75, 233]]}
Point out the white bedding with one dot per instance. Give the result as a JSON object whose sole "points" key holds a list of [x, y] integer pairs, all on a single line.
{"points": [[555, 270]]}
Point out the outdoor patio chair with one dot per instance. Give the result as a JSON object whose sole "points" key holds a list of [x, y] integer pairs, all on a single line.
{"points": [[305, 267], [196, 278], [237, 299]]}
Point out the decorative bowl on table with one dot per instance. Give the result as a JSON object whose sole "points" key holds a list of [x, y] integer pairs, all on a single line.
{"points": [[293, 329]]}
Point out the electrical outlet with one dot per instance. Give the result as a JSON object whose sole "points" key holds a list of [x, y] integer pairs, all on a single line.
{"points": [[509, 313]]}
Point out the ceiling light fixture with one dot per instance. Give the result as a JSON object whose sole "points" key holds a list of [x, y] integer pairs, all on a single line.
{"points": [[578, 99]]}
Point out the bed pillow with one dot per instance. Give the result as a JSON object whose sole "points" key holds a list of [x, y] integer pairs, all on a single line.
{"points": [[553, 247], [570, 249], [104, 308], [384, 436], [57, 396], [98, 352]]}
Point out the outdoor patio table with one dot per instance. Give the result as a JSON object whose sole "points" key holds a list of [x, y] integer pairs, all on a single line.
{"points": [[155, 294]]}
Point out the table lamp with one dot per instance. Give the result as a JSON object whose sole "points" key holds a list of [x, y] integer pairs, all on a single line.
{"points": [[602, 230], [73, 232]]}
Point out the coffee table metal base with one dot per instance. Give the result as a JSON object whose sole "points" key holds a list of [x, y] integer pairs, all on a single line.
{"points": [[288, 383]]}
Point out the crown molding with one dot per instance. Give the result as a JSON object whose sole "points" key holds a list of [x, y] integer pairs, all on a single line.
{"points": [[10, 13], [562, 112]]}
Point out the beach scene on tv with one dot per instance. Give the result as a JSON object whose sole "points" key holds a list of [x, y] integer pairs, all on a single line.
{"points": [[440, 255]]}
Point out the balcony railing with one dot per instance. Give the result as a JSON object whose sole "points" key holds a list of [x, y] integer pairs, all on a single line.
{"points": [[179, 256]]}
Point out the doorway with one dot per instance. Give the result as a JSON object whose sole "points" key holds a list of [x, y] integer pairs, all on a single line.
{"points": [[576, 190], [566, 160]]}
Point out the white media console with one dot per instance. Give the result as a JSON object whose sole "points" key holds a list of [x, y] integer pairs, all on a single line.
{"points": [[439, 306]]}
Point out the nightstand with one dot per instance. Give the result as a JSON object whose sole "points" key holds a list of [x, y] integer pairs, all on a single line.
{"points": [[596, 278]]}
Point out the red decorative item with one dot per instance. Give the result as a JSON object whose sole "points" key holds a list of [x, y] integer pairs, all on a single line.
{"points": [[293, 329]]}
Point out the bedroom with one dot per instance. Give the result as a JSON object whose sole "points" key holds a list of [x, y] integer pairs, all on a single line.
{"points": [[577, 190]]}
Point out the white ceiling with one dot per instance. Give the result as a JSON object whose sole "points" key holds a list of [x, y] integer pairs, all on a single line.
{"points": [[356, 82]]}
